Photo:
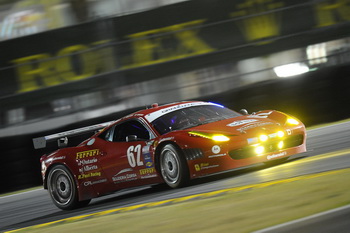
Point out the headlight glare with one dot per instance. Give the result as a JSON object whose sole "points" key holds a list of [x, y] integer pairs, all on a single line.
{"points": [[215, 137], [220, 138], [292, 121], [263, 138], [280, 134], [259, 150]]}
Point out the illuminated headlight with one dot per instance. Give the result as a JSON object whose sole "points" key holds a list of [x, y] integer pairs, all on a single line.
{"points": [[263, 138], [215, 137], [220, 138], [292, 121], [280, 134], [280, 145], [259, 150]]}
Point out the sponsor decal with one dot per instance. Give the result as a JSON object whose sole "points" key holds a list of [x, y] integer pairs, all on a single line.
{"points": [[124, 178], [214, 156], [260, 115], [147, 157], [86, 154], [88, 168], [86, 161], [124, 171], [216, 149], [276, 155], [149, 176], [147, 171], [197, 167], [203, 166], [88, 175], [154, 115], [244, 128], [242, 122], [88, 183]]}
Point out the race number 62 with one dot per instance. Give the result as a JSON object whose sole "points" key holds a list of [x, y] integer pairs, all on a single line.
{"points": [[132, 150]]}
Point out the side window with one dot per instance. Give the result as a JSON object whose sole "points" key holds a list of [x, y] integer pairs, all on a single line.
{"points": [[130, 128], [106, 135]]}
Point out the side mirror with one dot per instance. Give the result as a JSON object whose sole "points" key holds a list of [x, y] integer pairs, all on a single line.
{"points": [[62, 142], [131, 138], [244, 111]]}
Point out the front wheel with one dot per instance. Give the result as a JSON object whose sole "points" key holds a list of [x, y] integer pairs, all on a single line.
{"points": [[62, 189], [173, 167]]}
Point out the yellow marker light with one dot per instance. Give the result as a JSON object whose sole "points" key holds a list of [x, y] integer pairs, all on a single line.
{"points": [[263, 138], [280, 134], [259, 150], [220, 138], [215, 137], [292, 121], [280, 145]]}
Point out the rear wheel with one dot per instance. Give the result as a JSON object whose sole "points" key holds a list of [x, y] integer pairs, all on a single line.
{"points": [[62, 189], [173, 166]]}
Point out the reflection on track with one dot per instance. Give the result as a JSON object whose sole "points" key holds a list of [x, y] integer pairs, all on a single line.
{"points": [[36, 207]]}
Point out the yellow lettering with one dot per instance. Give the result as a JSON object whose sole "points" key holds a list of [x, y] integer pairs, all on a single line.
{"points": [[152, 49], [104, 57], [35, 72], [262, 25], [329, 13], [64, 63], [89, 153]]}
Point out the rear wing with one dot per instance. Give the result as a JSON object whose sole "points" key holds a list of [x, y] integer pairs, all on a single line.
{"points": [[40, 142]]}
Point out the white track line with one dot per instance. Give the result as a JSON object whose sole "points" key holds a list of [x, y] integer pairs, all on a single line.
{"points": [[17, 194], [301, 219]]}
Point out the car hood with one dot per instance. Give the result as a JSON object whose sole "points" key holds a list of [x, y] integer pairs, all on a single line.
{"points": [[239, 125]]}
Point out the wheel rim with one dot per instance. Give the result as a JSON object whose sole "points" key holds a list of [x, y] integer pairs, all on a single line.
{"points": [[170, 166], [61, 187]]}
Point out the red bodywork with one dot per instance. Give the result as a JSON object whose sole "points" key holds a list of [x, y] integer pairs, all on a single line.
{"points": [[100, 166]]}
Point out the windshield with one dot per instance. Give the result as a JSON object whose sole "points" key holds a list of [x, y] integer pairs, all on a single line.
{"points": [[190, 117]]}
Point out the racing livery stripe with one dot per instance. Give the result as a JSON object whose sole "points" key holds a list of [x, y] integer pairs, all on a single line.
{"points": [[154, 115], [183, 199]]}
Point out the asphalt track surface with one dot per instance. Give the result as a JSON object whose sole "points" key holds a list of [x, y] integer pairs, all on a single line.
{"points": [[35, 207]]}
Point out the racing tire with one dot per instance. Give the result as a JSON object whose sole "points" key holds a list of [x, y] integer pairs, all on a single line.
{"points": [[62, 189], [173, 167]]}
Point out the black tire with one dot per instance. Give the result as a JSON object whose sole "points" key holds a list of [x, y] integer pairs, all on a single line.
{"points": [[62, 189], [173, 167]]}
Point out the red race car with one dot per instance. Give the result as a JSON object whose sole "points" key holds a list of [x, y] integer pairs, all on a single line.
{"points": [[172, 143]]}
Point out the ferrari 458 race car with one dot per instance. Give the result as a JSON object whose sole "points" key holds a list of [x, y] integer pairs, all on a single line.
{"points": [[172, 143]]}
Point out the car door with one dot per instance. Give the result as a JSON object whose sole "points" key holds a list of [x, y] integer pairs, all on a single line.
{"points": [[127, 160]]}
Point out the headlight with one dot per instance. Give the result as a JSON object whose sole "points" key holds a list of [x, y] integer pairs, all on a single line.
{"points": [[259, 150], [215, 137], [220, 138], [263, 138], [280, 134], [292, 121]]}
